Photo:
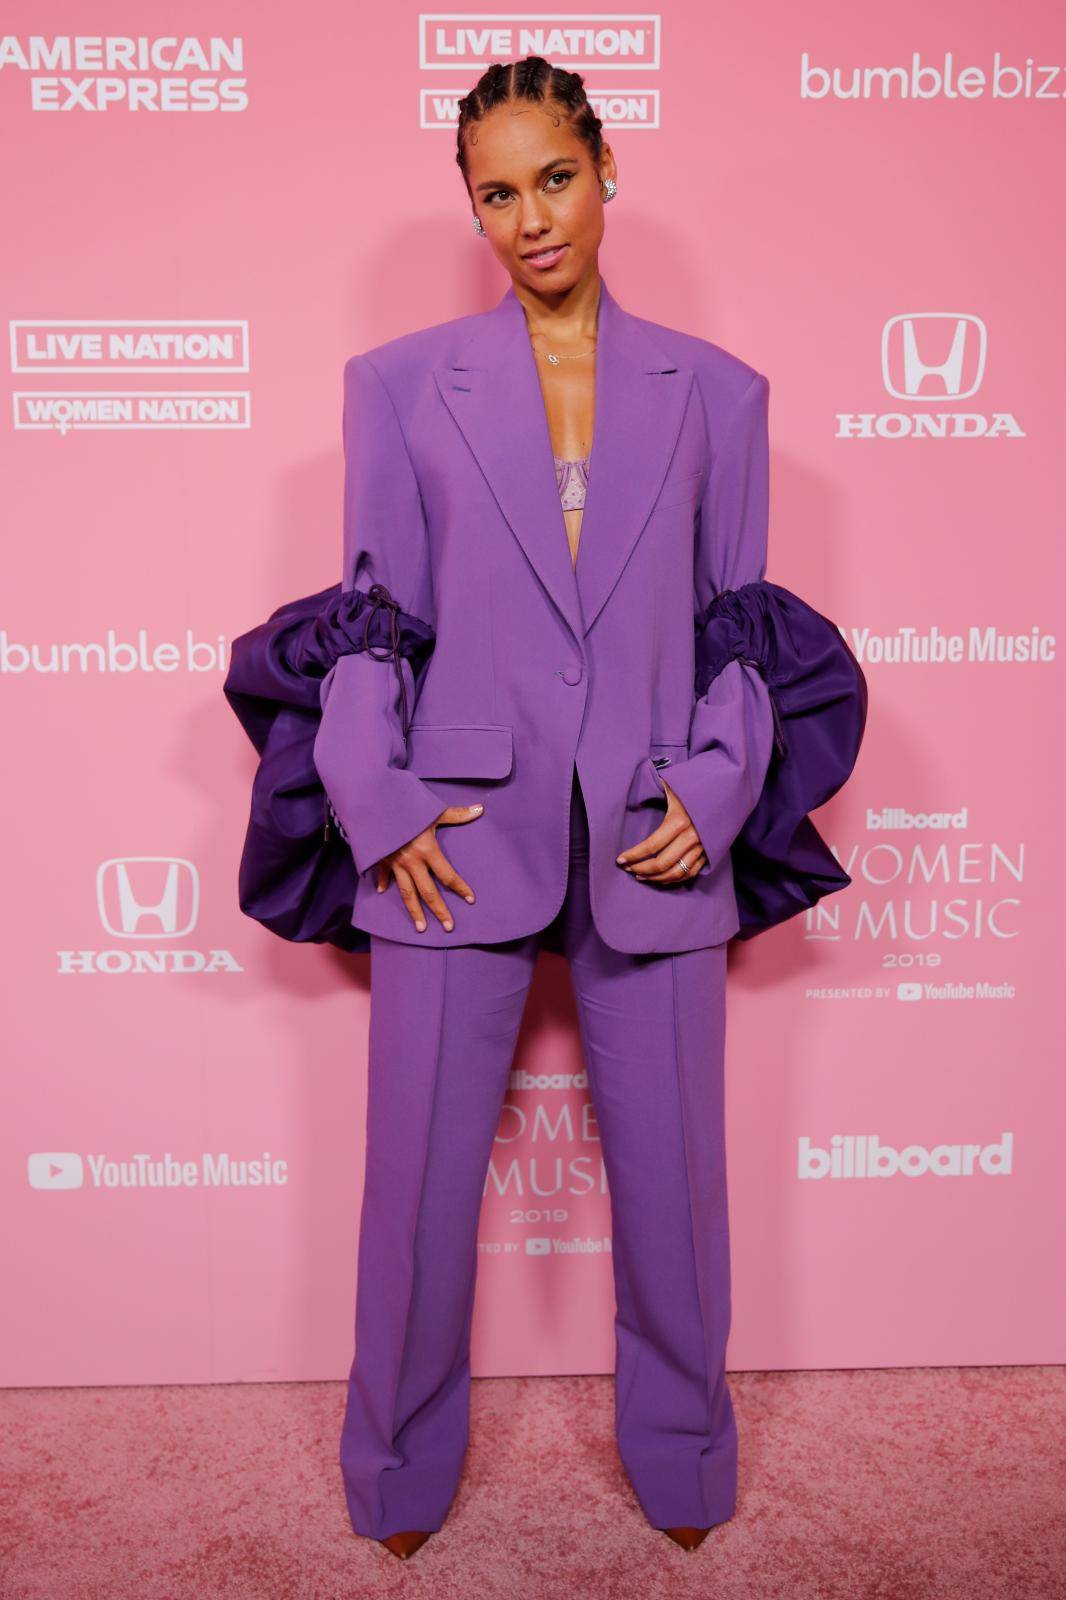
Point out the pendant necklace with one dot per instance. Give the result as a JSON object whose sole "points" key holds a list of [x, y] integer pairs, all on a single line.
{"points": [[555, 360]]}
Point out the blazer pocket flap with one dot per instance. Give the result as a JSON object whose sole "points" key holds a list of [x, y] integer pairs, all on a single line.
{"points": [[645, 784], [441, 751]]}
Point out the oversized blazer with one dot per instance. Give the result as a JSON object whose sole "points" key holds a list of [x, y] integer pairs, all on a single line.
{"points": [[451, 502]]}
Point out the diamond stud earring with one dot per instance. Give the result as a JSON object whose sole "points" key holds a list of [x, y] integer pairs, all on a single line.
{"points": [[612, 189], [477, 225]]}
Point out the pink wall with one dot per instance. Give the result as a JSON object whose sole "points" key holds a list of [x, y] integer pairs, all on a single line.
{"points": [[309, 209]]}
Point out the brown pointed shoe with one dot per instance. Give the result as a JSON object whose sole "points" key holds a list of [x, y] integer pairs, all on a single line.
{"points": [[687, 1538], [405, 1544]]}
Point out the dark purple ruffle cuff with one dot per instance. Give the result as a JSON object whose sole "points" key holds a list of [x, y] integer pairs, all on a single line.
{"points": [[296, 875], [818, 695], [283, 660]]}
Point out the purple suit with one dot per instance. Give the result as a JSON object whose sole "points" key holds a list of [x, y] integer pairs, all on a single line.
{"points": [[539, 672], [451, 502]]}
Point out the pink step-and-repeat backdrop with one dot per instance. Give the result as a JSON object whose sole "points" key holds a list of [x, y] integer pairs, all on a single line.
{"points": [[203, 225]]}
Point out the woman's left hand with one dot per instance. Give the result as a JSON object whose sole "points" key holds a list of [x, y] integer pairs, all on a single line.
{"points": [[675, 839]]}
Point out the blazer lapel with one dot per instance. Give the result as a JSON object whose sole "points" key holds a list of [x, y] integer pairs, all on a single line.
{"points": [[641, 396], [492, 389]]}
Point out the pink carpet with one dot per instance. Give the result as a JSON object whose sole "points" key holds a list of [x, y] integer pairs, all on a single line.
{"points": [[922, 1483]]}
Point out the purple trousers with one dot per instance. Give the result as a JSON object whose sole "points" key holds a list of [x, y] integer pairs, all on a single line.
{"points": [[443, 1029]]}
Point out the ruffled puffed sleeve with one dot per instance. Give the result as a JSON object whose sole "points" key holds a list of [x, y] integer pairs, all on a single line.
{"points": [[731, 734], [360, 748]]}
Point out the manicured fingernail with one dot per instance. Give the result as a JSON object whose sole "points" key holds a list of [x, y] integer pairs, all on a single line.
{"points": [[421, 927], [447, 926], [621, 860], [469, 898], [477, 808]]}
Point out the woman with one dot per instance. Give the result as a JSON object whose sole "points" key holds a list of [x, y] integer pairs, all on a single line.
{"points": [[590, 803]]}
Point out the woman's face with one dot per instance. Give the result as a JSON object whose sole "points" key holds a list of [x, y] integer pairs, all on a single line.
{"points": [[535, 188]]}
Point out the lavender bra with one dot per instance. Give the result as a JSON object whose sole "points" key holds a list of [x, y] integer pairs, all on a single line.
{"points": [[572, 478]]}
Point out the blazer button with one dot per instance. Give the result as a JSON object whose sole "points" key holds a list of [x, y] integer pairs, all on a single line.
{"points": [[572, 675]]}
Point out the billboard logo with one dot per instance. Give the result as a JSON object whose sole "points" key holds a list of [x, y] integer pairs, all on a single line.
{"points": [[902, 817], [862, 1155], [522, 1078]]}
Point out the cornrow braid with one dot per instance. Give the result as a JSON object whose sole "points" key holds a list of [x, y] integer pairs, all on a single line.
{"points": [[536, 80]]}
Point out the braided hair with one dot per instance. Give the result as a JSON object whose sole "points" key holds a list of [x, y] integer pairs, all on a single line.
{"points": [[537, 81]]}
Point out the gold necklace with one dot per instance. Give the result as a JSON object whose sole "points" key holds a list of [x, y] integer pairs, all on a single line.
{"points": [[555, 360]]}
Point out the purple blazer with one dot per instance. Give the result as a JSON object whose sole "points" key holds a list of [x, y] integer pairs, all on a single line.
{"points": [[451, 502]]}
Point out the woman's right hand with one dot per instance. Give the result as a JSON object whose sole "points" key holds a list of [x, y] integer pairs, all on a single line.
{"points": [[414, 864]]}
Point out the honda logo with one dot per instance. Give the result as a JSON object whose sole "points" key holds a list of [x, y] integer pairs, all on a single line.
{"points": [[933, 355], [148, 897]]}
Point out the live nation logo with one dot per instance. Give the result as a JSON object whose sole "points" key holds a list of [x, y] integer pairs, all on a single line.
{"points": [[611, 42], [148, 908], [146, 349], [931, 361]]}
